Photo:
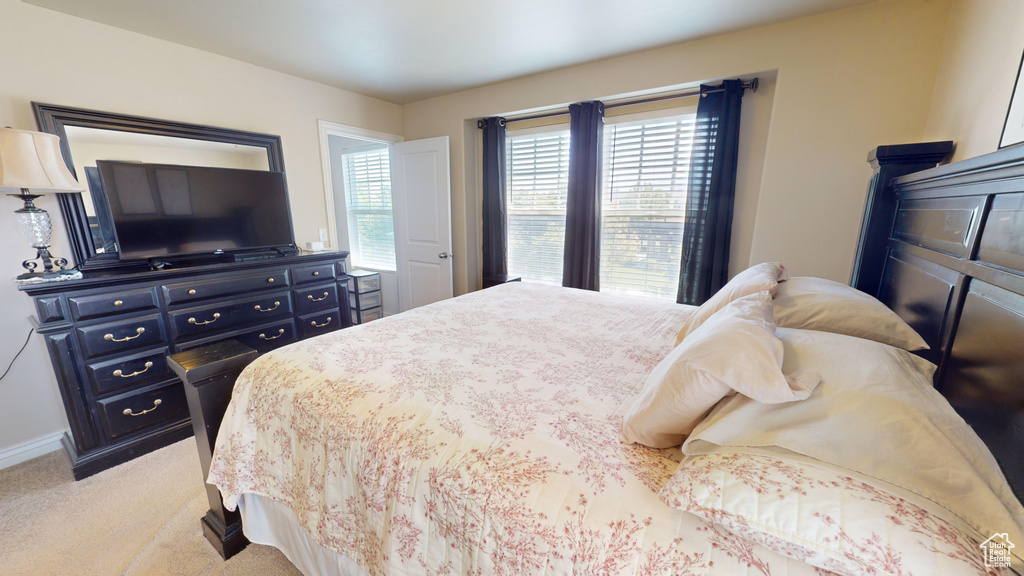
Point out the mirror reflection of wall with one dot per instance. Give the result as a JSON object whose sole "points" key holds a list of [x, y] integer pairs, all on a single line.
{"points": [[88, 145]]}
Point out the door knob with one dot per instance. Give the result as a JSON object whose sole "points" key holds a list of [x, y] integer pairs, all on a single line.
{"points": [[442, 255]]}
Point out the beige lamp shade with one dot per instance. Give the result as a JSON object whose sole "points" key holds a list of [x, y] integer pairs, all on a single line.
{"points": [[32, 160]]}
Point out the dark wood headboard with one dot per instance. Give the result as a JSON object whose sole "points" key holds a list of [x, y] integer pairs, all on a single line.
{"points": [[953, 268]]}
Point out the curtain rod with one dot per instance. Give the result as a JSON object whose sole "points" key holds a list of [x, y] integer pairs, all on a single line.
{"points": [[751, 85]]}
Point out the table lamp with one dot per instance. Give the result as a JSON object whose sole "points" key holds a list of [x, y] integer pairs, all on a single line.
{"points": [[32, 161]]}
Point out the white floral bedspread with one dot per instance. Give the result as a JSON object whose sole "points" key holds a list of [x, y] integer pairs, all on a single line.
{"points": [[477, 436]]}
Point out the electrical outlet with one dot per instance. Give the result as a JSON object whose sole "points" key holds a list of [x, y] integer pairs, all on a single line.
{"points": [[323, 234]]}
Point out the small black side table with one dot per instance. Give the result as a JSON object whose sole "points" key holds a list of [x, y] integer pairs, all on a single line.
{"points": [[500, 279], [209, 374]]}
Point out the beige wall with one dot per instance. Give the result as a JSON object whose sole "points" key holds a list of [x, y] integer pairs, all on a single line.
{"points": [[846, 82], [50, 57], [975, 81]]}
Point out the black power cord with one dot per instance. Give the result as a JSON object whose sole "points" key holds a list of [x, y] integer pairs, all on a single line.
{"points": [[11, 365]]}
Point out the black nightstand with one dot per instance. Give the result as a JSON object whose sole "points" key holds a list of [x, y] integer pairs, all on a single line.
{"points": [[500, 279]]}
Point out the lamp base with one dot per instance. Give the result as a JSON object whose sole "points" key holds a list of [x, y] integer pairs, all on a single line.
{"points": [[48, 272]]}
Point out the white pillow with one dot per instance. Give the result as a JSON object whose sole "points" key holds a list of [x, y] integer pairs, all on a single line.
{"points": [[757, 278], [735, 349], [875, 417], [819, 304]]}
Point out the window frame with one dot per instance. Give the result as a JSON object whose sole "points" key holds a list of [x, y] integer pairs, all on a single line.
{"points": [[661, 114], [561, 128], [352, 213]]}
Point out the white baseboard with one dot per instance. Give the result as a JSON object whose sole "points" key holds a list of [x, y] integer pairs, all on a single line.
{"points": [[29, 450]]}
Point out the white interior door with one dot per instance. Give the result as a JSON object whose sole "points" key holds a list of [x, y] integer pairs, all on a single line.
{"points": [[421, 202]]}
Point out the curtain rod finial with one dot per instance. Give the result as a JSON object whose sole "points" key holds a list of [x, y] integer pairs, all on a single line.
{"points": [[483, 121]]}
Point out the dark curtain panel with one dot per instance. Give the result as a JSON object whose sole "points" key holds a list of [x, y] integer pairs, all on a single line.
{"points": [[583, 211], [494, 239], [712, 188]]}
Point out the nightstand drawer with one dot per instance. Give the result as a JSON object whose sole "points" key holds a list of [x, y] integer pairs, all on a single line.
{"points": [[119, 336], [219, 317], [143, 409], [308, 274], [192, 291], [96, 305], [109, 375], [316, 298], [365, 300], [321, 323]]}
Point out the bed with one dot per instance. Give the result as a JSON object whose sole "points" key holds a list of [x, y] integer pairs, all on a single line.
{"points": [[481, 435]]}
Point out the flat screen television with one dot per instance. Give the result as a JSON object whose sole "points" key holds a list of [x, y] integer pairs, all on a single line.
{"points": [[164, 210]]}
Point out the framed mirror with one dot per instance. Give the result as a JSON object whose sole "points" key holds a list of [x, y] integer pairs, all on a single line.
{"points": [[89, 135]]}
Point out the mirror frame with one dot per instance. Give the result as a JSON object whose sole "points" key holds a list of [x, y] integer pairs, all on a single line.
{"points": [[53, 119]]}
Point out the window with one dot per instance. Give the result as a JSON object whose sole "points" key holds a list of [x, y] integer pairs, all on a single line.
{"points": [[537, 166], [371, 231], [643, 197]]}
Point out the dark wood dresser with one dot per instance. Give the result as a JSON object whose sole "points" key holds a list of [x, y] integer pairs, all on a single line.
{"points": [[109, 335]]}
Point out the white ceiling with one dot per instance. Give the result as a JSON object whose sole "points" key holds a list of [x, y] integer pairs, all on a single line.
{"points": [[408, 50]]}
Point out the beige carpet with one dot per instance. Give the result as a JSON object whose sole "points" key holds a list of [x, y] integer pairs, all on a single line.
{"points": [[138, 519]]}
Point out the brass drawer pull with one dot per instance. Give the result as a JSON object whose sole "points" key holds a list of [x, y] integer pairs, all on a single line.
{"points": [[191, 292], [315, 325], [215, 316], [259, 308], [280, 332], [138, 332], [118, 302], [128, 411], [311, 299], [123, 375], [270, 280]]}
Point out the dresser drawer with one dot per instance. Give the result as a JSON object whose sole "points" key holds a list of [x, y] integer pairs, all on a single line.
{"points": [[142, 409], [132, 370], [192, 291], [307, 274], [219, 317], [96, 305], [123, 335], [270, 337], [364, 316], [310, 299], [261, 339], [363, 281], [364, 300], [320, 323]]}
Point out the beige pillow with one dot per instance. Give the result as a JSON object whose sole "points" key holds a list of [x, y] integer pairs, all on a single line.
{"points": [[875, 417], [735, 349], [765, 276], [827, 306]]}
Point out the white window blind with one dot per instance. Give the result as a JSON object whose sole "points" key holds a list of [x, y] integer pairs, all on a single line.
{"points": [[643, 197], [371, 231], [537, 166]]}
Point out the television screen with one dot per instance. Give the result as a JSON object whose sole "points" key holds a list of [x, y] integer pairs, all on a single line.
{"points": [[164, 210]]}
